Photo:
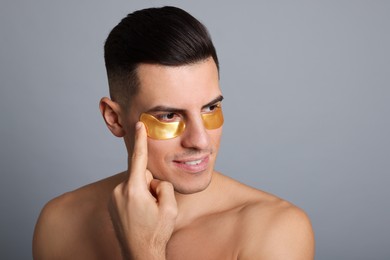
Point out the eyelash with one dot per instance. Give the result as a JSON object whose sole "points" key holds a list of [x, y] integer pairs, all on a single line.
{"points": [[163, 117], [177, 117], [214, 107]]}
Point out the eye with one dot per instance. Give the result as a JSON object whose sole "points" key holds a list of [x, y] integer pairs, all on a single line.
{"points": [[212, 108], [168, 117]]}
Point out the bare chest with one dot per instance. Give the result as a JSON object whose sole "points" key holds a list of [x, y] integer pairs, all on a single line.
{"points": [[211, 238], [208, 240]]}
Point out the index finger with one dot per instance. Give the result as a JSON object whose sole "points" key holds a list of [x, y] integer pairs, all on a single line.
{"points": [[139, 158]]}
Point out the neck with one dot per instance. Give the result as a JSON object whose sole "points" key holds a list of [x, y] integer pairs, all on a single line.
{"points": [[193, 206]]}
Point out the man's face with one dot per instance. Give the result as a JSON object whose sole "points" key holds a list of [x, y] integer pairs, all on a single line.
{"points": [[179, 93]]}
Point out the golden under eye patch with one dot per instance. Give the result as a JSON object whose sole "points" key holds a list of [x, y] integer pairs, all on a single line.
{"points": [[167, 130]]}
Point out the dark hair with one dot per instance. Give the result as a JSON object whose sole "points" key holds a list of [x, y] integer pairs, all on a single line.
{"points": [[168, 36]]}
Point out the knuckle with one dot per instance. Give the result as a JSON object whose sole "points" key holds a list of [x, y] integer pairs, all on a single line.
{"points": [[133, 192], [137, 154], [117, 191], [166, 185], [123, 190]]}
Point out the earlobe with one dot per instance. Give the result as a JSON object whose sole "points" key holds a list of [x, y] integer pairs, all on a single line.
{"points": [[111, 113]]}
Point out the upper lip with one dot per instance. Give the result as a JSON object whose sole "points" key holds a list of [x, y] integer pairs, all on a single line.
{"points": [[191, 159]]}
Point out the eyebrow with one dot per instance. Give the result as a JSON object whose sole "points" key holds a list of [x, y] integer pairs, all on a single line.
{"points": [[215, 100], [178, 110]]}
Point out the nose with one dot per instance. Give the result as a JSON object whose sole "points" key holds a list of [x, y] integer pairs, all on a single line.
{"points": [[195, 135]]}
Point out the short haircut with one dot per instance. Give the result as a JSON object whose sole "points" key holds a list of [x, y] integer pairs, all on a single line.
{"points": [[167, 36]]}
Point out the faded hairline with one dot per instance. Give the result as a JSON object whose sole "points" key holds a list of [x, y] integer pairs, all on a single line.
{"points": [[124, 85]]}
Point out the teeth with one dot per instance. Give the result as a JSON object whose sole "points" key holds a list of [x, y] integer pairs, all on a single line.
{"points": [[193, 162]]}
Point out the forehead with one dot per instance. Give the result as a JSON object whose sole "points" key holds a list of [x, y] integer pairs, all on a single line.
{"points": [[182, 87]]}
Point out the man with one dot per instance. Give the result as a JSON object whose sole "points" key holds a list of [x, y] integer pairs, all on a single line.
{"points": [[170, 204]]}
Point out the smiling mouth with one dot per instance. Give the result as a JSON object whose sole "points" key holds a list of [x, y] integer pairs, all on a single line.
{"points": [[193, 165], [196, 162]]}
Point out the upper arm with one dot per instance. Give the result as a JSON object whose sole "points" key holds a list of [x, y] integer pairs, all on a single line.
{"points": [[292, 237], [53, 230], [43, 234], [285, 234]]}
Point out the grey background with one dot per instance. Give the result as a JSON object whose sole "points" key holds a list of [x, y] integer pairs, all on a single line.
{"points": [[307, 100]]}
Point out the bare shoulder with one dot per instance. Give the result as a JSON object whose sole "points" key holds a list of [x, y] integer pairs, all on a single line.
{"points": [[67, 219], [273, 228], [270, 227]]}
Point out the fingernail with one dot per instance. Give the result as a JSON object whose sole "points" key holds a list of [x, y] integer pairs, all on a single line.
{"points": [[138, 125]]}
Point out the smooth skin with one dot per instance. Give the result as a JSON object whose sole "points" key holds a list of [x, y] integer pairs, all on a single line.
{"points": [[163, 207]]}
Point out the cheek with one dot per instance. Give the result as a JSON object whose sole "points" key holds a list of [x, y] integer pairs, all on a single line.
{"points": [[159, 155], [158, 151], [215, 137]]}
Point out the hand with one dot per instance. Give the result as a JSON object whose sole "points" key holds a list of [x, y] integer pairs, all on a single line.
{"points": [[143, 210]]}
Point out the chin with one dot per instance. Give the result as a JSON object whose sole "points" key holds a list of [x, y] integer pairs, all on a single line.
{"points": [[192, 186], [189, 190]]}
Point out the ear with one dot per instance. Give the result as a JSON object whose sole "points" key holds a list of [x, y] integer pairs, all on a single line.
{"points": [[111, 112]]}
